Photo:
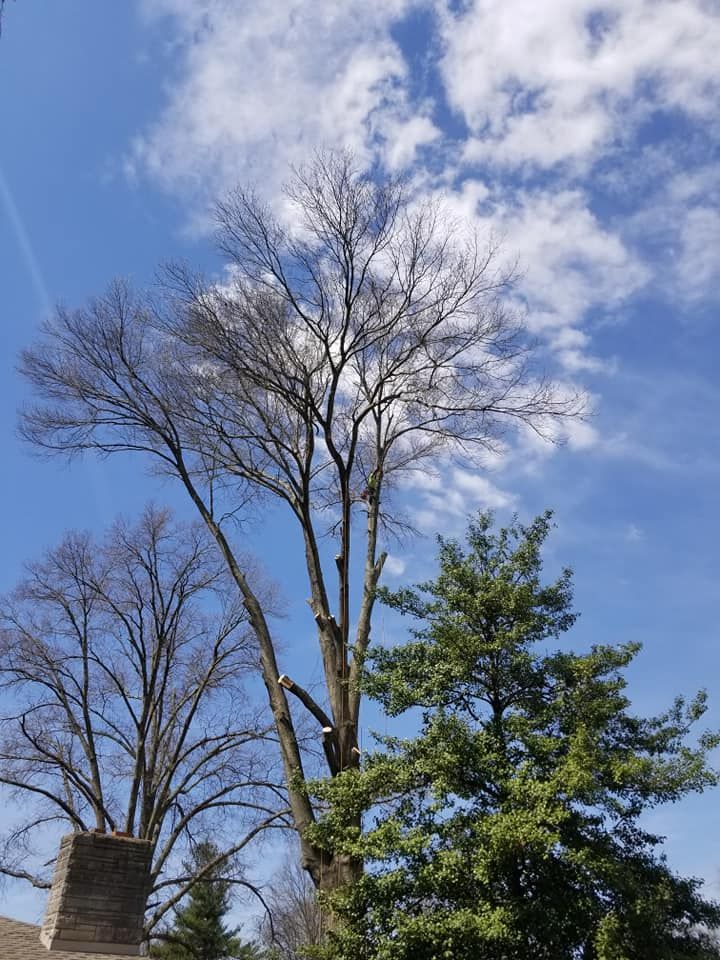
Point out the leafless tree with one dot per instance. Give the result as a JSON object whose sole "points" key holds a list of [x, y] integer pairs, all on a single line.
{"points": [[368, 338], [294, 920], [122, 666]]}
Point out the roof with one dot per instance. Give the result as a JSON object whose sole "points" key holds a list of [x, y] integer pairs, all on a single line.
{"points": [[21, 941]]}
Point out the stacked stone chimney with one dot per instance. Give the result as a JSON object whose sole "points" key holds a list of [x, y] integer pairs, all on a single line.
{"points": [[98, 895]]}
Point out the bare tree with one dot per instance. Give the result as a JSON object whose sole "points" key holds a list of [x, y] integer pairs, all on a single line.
{"points": [[367, 339], [294, 920], [122, 666]]}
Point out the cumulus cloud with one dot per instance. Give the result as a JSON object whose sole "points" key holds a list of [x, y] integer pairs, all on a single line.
{"points": [[568, 261], [549, 116], [542, 86], [260, 84], [443, 499]]}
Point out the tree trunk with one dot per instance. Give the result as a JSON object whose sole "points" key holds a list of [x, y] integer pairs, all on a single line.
{"points": [[338, 871], [329, 871]]}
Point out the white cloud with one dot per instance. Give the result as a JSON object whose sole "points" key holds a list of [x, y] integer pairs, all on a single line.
{"points": [[394, 566], [698, 265], [634, 534], [570, 344], [404, 136], [256, 86], [532, 448], [680, 224], [579, 434], [542, 84], [445, 498], [569, 261], [261, 83]]}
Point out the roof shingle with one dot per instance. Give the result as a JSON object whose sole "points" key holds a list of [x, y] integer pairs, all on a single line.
{"points": [[21, 941]]}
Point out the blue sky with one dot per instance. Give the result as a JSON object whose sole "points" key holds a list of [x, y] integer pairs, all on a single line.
{"points": [[584, 134]]}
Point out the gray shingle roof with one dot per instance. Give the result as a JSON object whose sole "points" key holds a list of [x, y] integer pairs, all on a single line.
{"points": [[21, 941]]}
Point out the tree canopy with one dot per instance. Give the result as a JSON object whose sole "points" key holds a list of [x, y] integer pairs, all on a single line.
{"points": [[512, 825], [361, 336], [123, 666]]}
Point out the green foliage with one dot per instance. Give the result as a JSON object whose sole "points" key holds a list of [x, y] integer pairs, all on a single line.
{"points": [[510, 827], [199, 932]]}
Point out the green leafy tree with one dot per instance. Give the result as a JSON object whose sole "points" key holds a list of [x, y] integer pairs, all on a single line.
{"points": [[511, 826], [199, 931]]}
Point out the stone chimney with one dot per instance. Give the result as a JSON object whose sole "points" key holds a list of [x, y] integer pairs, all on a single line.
{"points": [[98, 895]]}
